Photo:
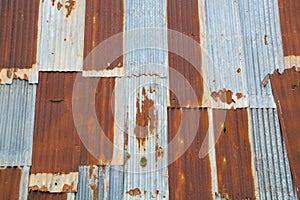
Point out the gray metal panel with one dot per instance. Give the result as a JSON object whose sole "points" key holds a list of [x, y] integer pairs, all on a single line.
{"points": [[61, 37], [17, 104], [271, 162], [262, 46], [143, 119], [100, 182], [146, 38], [23, 193]]}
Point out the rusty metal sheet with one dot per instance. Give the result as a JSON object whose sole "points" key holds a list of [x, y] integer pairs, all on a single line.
{"points": [[61, 36], [189, 176], [57, 145], [17, 103], [103, 41], [53, 183], [142, 117], [286, 90], [183, 17], [18, 33], [234, 157], [10, 179], [290, 27], [34, 195], [8, 74]]}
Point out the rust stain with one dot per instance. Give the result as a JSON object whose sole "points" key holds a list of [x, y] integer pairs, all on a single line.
{"points": [[134, 192], [70, 5], [239, 95], [143, 162], [53, 2], [159, 152], [34, 195], [183, 17], [10, 178], [104, 19], [233, 156], [68, 188], [59, 6], [184, 177], [265, 80], [286, 90], [238, 70], [146, 119], [290, 27], [224, 95]]}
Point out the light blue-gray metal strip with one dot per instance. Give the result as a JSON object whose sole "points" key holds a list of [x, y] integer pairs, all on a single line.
{"points": [[17, 106], [23, 191], [262, 46], [145, 42], [271, 162]]}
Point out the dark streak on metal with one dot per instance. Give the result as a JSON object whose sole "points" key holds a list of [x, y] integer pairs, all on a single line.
{"points": [[183, 17], [189, 176], [288, 108], [224, 95], [134, 192], [290, 27], [10, 178], [59, 6], [103, 19], [53, 2], [238, 70], [233, 156]]}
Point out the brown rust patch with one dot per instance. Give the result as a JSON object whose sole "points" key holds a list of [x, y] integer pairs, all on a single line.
{"points": [[159, 152], [94, 186], [70, 5], [146, 119], [34, 195], [184, 177], [53, 2], [233, 156], [10, 178], [224, 95], [59, 6], [134, 192], [9, 73], [239, 95], [68, 188], [286, 92], [238, 70]]}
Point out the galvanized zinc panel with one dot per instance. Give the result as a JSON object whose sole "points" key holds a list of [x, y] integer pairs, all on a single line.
{"points": [[145, 42], [18, 33], [17, 102], [286, 89], [142, 120], [271, 162], [189, 176], [61, 36], [262, 48], [103, 41], [100, 182]]}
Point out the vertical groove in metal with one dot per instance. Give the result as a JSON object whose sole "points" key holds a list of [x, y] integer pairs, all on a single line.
{"points": [[271, 162], [17, 104]]}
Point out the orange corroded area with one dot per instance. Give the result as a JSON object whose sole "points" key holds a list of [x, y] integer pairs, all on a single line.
{"points": [[34, 195], [8, 74], [183, 17], [146, 119], [18, 33], [10, 178], [224, 95], [103, 20], [233, 156], [134, 192], [189, 176], [286, 90], [290, 27], [56, 143]]}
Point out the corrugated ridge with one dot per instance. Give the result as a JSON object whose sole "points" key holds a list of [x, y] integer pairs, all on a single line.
{"points": [[61, 38], [10, 180], [17, 103], [272, 165], [18, 33]]}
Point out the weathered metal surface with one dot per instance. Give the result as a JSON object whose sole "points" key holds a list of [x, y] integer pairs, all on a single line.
{"points": [[145, 38], [53, 183], [262, 46], [142, 118], [18, 33], [233, 157], [17, 102], [104, 29], [292, 61], [183, 17], [8, 74], [57, 145], [100, 182], [286, 90], [34, 195], [61, 37], [271, 162], [189, 173], [290, 27], [10, 179]]}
